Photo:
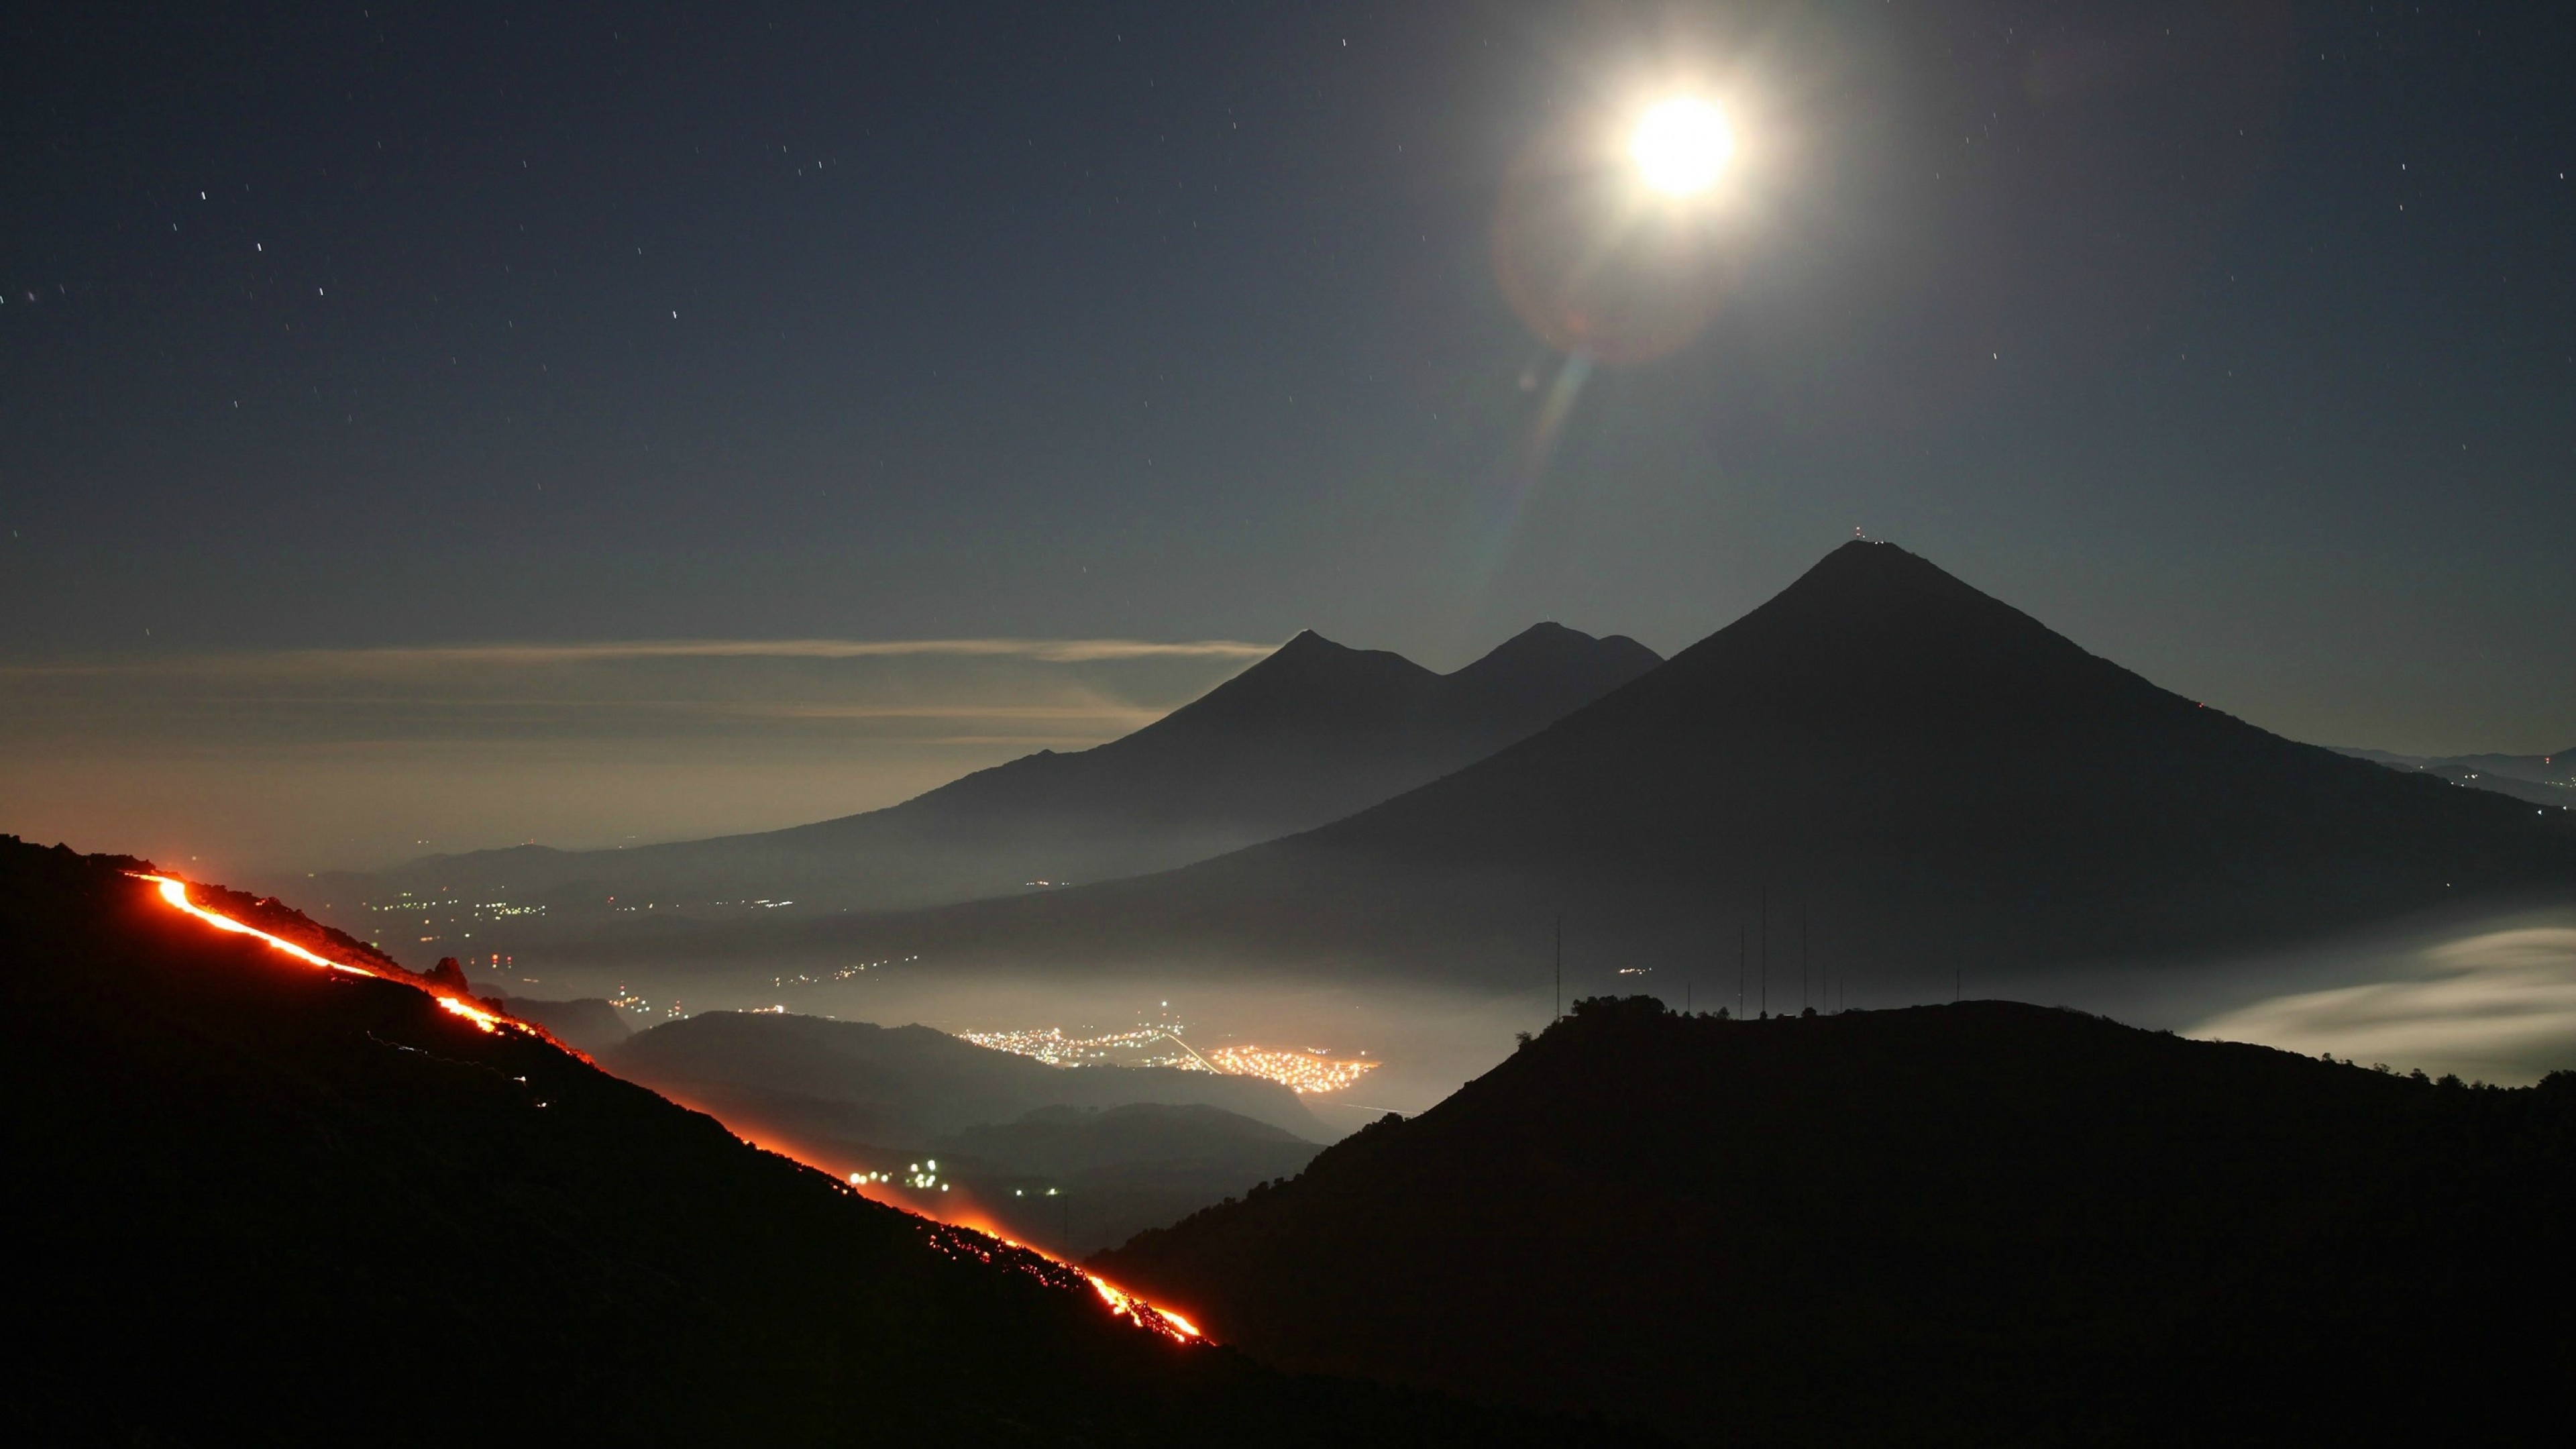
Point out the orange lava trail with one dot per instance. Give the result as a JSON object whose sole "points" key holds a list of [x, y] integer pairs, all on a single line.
{"points": [[1151, 1317], [175, 892], [1122, 1303]]}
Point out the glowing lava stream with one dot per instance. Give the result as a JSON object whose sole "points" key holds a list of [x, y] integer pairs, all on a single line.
{"points": [[176, 893], [1126, 1305], [1122, 1303], [1148, 1316]]}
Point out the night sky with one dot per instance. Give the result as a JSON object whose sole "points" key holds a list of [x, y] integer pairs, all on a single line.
{"points": [[2237, 341]]}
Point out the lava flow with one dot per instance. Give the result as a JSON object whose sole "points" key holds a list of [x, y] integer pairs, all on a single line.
{"points": [[1147, 1316], [1143, 1314], [1047, 1266], [175, 892], [964, 1219]]}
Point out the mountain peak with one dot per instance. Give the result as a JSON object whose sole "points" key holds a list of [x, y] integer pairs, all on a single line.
{"points": [[1881, 570], [1544, 631], [1307, 679], [1872, 618], [1551, 647], [1307, 641], [1308, 651]]}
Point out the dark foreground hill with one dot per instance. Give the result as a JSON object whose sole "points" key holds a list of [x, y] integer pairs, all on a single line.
{"points": [[1975, 1224], [253, 1201], [1930, 776], [1309, 734]]}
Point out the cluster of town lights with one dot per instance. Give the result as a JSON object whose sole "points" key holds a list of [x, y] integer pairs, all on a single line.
{"points": [[1309, 1069], [1051, 1046]]}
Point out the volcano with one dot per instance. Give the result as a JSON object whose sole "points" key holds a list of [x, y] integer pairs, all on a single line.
{"points": [[1926, 776], [263, 1199], [1311, 733]]}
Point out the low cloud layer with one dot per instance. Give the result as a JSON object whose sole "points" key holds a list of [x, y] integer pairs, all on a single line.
{"points": [[2498, 1005], [426, 658], [311, 759]]}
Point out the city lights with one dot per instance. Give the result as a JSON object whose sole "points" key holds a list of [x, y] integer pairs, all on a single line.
{"points": [[1306, 1069]]}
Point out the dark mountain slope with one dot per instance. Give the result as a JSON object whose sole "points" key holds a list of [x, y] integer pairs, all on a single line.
{"points": [[1309, 734], [849, 1097], [588, 1024], [260, 1202], [899, 1087], [1978, 1224], [1930, 774], [1076, 1180]]}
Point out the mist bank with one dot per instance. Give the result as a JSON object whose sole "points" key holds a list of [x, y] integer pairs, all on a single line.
{"points": [[2496, 1005]]}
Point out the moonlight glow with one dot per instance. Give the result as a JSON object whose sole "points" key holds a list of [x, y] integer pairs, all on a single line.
{"points": [[1681, 145]]}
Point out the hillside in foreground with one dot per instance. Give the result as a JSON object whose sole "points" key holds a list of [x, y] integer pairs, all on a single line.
{"points": [[260, 1201], [1975, 1224]]}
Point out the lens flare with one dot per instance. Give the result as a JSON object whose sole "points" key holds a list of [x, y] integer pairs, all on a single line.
{"points": [[1681, 146]]}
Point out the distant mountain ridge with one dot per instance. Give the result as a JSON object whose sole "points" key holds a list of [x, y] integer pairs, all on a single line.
{"points": [[2547, 780], [1312, 732], [1925, 777]]}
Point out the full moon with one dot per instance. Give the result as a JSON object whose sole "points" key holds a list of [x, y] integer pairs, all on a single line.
{"points": [[1681, 145]]}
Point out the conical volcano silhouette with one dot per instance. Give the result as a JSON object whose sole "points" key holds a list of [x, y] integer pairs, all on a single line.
{"points": [[1926, 773]]}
